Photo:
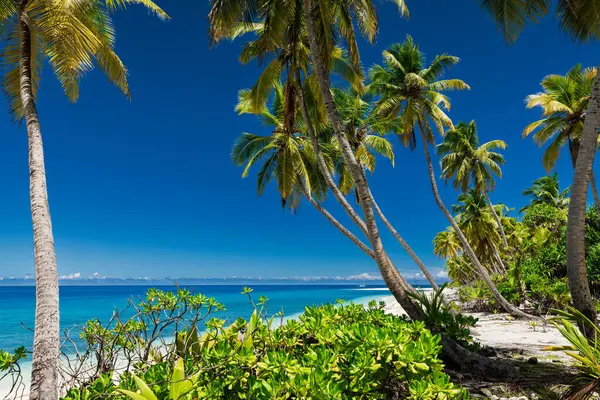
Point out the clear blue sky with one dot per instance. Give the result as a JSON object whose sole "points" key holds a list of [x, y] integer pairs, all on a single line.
{"points": [[147, 188]]}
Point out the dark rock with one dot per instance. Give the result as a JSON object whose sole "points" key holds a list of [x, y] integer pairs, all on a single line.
{"points": [[532, 360]]}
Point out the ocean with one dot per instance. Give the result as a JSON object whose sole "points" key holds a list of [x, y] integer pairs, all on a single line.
{"points": [[79, 304]]}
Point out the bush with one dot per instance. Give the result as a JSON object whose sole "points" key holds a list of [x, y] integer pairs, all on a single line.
{"points": [[330, 352], [545, 215], [439, 318], [477, 297]]}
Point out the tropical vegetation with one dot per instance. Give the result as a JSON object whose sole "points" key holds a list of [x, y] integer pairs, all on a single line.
{"points": [[327, 137], [329, 352]]}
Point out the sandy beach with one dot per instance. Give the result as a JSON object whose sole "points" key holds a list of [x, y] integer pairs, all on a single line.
{"points": [[516, 338]]}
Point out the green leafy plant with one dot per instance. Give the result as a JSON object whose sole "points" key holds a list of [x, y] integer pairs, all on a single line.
{"points": [[342, 351], [586, 352], [11, 369], [179, 385], [440, 318]]}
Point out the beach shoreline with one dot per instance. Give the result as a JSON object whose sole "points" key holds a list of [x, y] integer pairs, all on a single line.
{"points": [[512, 338], [507, 336]]}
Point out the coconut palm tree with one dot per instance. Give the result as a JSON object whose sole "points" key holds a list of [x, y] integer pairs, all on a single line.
{"points": [[563, 102], [446, 244], [281, 38], [467, 162], [580, 20], [322, 24], [546, 190], [73, 37], [413, 91], [475, 219]]}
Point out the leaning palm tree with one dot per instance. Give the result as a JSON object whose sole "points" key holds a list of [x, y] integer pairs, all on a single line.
{"points": [[563, 102], [413, 91], [321, 27], [322, 24], [468, 162], [579, 19], [72, 36], [546, 190], [364, 129]]}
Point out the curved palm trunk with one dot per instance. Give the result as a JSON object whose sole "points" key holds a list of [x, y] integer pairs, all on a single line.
{"points": [[405, 245], [576, 267], [388, 272], [46, 341], [497, 218], [466, 246]]}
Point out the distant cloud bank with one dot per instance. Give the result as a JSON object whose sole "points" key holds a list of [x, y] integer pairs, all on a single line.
{"points": [[98, 279]]}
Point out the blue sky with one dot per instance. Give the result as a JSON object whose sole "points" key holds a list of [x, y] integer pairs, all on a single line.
{"points": [[147, 188]]}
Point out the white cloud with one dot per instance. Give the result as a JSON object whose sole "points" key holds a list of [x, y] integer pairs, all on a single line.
{"points": [[365, 276], [442, 274], [76, 275], [419, 275]]}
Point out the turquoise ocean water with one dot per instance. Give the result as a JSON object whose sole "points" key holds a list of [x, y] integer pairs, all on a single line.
{"points": [[81, 303]]}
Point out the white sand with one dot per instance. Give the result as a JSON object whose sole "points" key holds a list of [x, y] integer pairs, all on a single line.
{"points": [[506, 334]]}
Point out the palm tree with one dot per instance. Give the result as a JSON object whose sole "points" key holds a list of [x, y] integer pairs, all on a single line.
{"points": [[281, 38], [546, 190], [581, 21], [319, 21], [225, 16], [475, 219], [467, 162], [413, 91], [563, 103], [72, 36], [446, 244]]}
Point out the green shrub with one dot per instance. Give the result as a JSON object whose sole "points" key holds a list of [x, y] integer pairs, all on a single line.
{"points": [[330, 352], [509, 290], [477, 297], [545, 215], [440, 319], [584, 351]]}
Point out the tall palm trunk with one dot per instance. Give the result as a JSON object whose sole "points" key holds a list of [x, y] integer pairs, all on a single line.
{"points": [[497, 218], [574, 150], [46, 341], [466, 246], [388, 272], [576, 267]]}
